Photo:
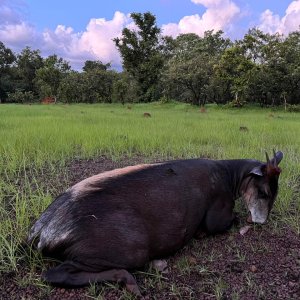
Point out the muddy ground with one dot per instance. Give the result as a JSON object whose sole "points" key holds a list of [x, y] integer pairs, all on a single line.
{"points": [[262, 264]]}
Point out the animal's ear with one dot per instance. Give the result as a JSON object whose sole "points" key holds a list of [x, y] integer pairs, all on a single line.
{"points": [[276, 158], [272, 165], [258, 171]]}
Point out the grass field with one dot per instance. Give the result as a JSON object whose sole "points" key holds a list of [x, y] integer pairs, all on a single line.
{"points": [[36, 139]]}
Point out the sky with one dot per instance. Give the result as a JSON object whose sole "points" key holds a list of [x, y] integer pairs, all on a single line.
{"points": [[83, 30]]}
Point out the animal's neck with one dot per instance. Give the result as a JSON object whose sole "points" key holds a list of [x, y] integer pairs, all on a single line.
{"points": [[239, 173]]}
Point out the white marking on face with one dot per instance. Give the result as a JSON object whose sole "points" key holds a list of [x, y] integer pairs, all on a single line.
{"points": [[259, 213], [258, 207], [93, 183]]}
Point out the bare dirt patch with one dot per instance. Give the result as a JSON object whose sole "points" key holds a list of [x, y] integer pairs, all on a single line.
{"points": [[262, 264]]}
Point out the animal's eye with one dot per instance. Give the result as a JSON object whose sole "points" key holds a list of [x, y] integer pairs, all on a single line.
{"points": [[262, 194]]}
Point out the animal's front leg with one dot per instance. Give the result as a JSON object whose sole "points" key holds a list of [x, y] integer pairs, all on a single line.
{"points": [[219, 220]]}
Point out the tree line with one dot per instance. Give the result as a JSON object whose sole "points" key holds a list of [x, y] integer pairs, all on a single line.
{"points": [[260, 68]]}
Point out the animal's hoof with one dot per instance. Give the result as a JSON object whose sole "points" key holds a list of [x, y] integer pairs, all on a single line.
{"points": [[134, 289], [160, 265], [244, 229]]}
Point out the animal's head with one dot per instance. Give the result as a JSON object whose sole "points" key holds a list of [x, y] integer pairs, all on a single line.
{"points": [[260, 187]]}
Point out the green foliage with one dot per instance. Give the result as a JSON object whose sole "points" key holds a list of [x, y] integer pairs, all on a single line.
{"points": [[98, 86], [235, 103], [293, 108], [93, 86], [124, 88], [48, 77], [91, 65], [7, 58], [141, 54], [164, 100], [21, 97], [120, 88], [70, 89], [260, 68], [28, 62], [189, 70]]}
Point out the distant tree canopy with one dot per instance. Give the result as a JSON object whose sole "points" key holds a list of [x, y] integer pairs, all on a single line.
{"points": [[7, 58], [142, 56], [259, 68]]}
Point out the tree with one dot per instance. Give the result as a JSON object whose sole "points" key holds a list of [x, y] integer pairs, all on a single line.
{"points": [[71, 88], [7, 58], [290, 68], [90, 65], [93, 86], [28, 62], [141, 54], [263, 51], [49, 76], [98, 86], [189, 71], [124, 88], [235, 69]]}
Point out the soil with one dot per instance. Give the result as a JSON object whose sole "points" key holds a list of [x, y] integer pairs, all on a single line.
{"points": [[264, 263]]}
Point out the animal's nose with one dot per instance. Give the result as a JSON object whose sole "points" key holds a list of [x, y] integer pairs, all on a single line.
{"points": [[249, 220], [261, 222]]}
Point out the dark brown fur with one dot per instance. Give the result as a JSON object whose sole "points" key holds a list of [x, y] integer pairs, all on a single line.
{"points": [[121, 220]]}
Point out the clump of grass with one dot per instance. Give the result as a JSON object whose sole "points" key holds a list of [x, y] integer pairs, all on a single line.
{"points": [[219, 288], [184, 266]]}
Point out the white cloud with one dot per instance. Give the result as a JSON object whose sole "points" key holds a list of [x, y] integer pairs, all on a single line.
{"points": [[269, 21], [208, 3], [14, 31], [95, 42], [272, 23], [18, 34], [219, 15], [98, 36]]}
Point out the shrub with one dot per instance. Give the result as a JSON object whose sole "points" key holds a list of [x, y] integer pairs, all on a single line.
{"points": [[21, 97], [293, 108], [165, 99]]}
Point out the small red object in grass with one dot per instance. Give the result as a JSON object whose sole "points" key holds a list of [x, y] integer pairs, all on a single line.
{"points": [[253, 269]]}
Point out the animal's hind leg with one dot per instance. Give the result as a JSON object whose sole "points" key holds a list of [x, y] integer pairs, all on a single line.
{"points": [[70, 274]]}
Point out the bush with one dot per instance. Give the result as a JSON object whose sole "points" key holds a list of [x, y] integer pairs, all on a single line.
{"points": [[234, 104], [21, 97], [165, 99], [293, 108]]}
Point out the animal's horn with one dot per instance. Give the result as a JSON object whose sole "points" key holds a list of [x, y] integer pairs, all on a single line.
{"points": [[275, 160], [268, 159]]}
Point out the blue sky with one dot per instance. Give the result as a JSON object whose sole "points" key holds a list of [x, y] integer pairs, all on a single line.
{"points": [[80, 30], [48, 14]]}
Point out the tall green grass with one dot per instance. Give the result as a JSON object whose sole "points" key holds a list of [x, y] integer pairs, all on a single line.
{"points": [[35, 137], [35, 134]]}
